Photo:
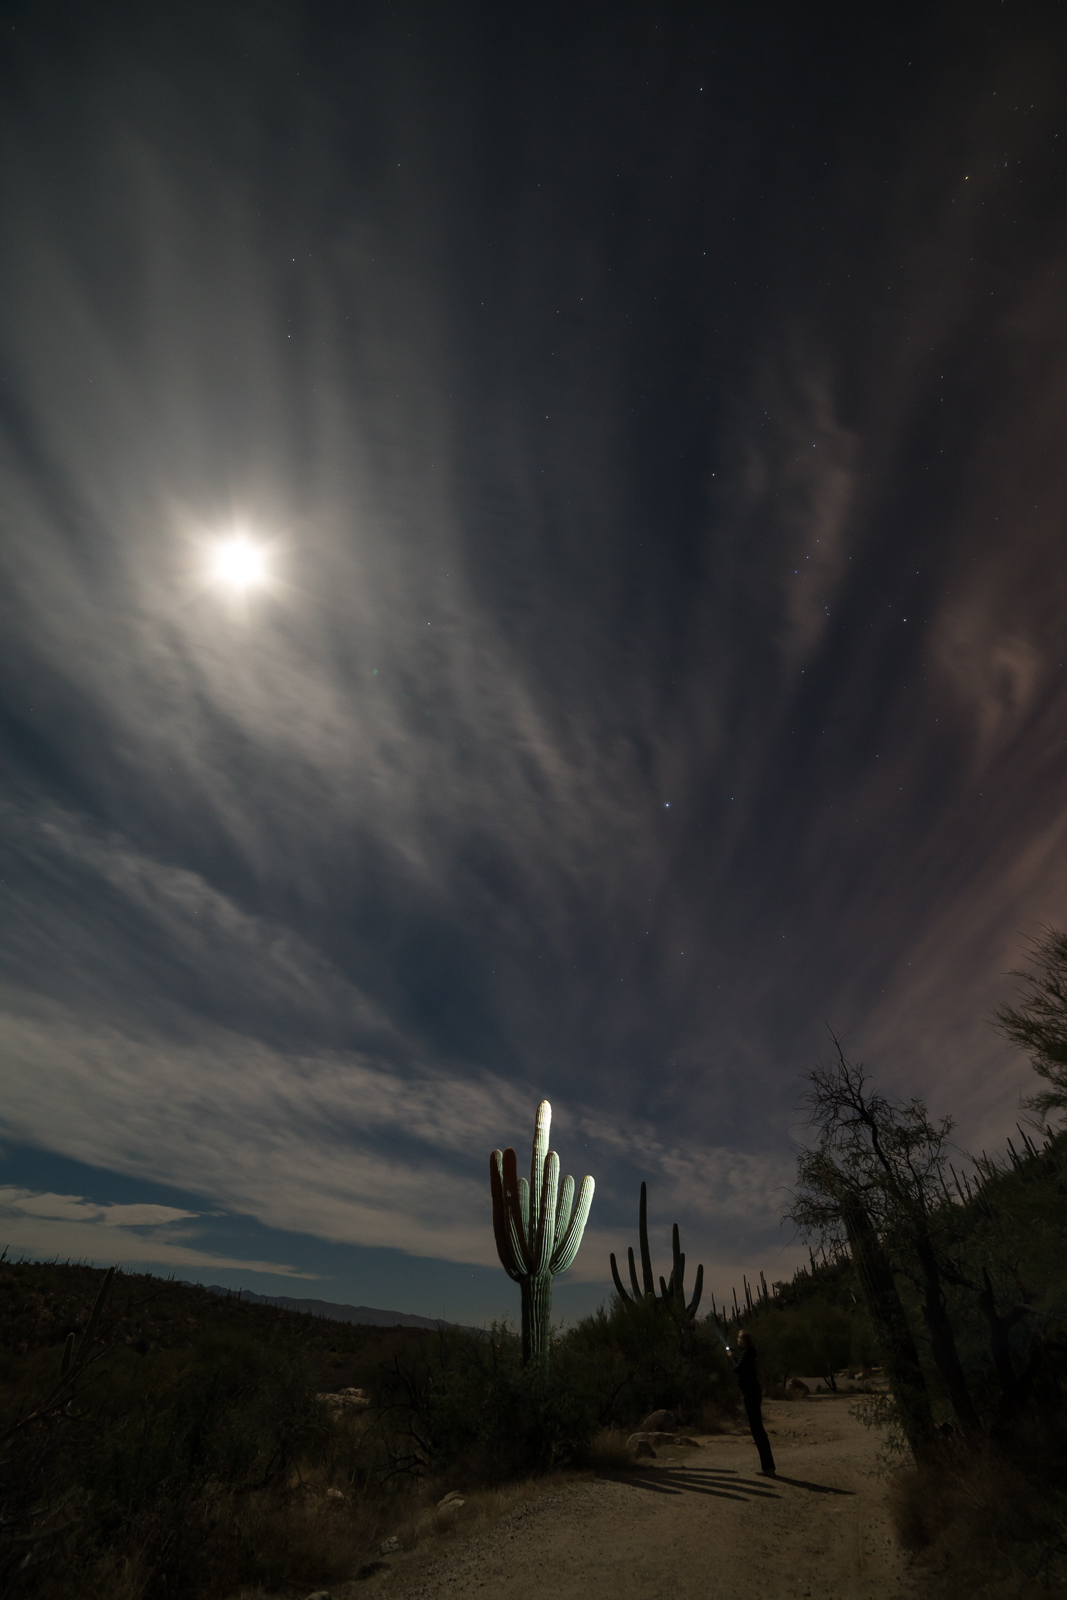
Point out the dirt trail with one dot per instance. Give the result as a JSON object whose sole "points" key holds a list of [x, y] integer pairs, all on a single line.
{"points": [[703, 1525]]}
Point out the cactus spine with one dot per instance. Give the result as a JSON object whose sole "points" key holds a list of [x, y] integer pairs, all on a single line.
{"points": [[538, 1228], [672, 1294]]}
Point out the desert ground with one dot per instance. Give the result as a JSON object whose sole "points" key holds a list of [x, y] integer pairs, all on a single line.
{"points": [[694, 1524]]}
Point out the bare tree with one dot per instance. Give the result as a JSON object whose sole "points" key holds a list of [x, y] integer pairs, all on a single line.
{"points": [[1038, 1024], [877, 1174]]}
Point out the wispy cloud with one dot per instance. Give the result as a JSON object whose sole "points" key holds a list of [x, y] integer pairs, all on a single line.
{"points": [[70, 1226], [628, 704]]}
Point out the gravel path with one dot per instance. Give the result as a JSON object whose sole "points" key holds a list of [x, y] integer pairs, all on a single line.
{"points": [[702, 1525]]}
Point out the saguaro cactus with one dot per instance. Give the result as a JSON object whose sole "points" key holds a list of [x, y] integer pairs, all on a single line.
{"points": [[537, 1231], [672, 1294]]}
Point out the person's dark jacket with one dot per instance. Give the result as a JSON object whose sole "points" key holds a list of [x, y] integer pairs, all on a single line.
{"points": [[745, 1367]]}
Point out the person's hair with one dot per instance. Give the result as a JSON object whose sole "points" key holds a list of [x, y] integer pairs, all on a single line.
{"points": [[744, 1337]]}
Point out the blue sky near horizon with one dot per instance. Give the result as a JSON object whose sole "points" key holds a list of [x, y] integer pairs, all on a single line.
{"points": [[650, 424], [201, 1246]]}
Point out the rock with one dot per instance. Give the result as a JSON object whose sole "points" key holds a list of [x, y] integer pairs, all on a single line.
{"points": [[451, 1502], [693, 1443], [389, 1547], [642, 1449], [320, 1594], [644, 1437], [797, 1389], [334, 1494], [345, 1400], [660, 1422], [369, 1568]]}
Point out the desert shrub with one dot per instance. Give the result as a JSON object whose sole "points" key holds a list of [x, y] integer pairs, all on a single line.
{"points": [[154, 1454], [194, 1459], [814, 1336], [465, 1406], [632, 1359], [991, 1521]]}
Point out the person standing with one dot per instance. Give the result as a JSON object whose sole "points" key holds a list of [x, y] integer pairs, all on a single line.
{"points": [[751, 1393]]}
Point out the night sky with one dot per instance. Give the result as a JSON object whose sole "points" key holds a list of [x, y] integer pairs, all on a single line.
{"points": [[651, 420]]}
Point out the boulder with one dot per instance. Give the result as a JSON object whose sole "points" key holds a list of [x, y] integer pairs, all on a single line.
{"points": [[345, 1400], [797, 1389], [642, 1449], [660, 1422], [451, 1502], [389, 1547], [643, 1436]]}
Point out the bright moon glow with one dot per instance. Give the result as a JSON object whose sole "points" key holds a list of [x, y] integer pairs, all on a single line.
{"points": [[239, 564]]}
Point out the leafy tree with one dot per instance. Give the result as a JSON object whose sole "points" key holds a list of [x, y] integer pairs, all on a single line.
{"points": [[1038, 1024]]}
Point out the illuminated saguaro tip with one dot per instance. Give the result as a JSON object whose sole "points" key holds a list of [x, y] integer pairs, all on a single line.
{"points": [[238, 564]]}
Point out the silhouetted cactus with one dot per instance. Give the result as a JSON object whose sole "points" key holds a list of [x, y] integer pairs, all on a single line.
{"points": [[537, 1233], [71, 1362], [672, 1294]]}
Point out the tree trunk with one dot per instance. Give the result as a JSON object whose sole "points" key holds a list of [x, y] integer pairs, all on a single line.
{"points": [[943, 1340], [900, 1358]]}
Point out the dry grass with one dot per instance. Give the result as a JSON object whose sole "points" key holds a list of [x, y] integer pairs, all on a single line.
{"points": [[986, 1525], [423, 1530], [339, 1538], [608, 1451]]}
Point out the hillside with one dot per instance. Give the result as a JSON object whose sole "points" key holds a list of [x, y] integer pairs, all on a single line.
{"points": [[367, 1316], [42, 1302]]}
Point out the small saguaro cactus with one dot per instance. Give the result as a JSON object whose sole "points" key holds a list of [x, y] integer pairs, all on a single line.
{"points": [[672, 1294], [537, 1231]]}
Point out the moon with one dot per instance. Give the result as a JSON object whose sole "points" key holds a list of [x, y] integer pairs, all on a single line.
{"points": [[238, 564]]}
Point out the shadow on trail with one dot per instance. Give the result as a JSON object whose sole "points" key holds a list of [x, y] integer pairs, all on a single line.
{"points": [[718, 1482], [816, 1488]]}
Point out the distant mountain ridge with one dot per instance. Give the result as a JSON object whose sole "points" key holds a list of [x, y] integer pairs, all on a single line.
{"points": [[368, 1315]]}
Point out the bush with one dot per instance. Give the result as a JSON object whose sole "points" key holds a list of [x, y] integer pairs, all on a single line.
{"points": [[464, 1406], [991, 1521], [193, 1458], [180, 1469], [813, 1337], [633, 1358]]}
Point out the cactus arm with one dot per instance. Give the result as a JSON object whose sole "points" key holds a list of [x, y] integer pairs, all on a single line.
{"points": [[678, 1275], [496, 1189], [563, 1206], [68, 1351], [513, 1186], [524, 1209], [537, 1165], [501, 1228], [542, 1243], [646, 1254], [567, 1247], [618, 1281], [672, 1290]]}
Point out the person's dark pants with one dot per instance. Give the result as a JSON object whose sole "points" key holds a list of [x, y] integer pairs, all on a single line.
{"points": [[753, 1399]]}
